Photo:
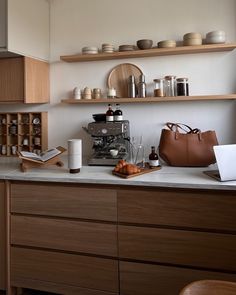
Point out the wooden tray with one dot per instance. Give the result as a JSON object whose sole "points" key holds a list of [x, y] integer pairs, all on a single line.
{"points": [[119, 76], [143, 171]]}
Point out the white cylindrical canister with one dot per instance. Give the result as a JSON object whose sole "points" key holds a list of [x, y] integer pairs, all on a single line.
{"points": [[74, 155]]}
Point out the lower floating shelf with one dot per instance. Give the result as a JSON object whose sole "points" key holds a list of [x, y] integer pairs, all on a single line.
{"points": [[150, 99]]}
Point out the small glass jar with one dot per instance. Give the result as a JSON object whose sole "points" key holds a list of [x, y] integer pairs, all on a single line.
{"points": [[170, 85], [159, 87], [182, 87], [111, 92]]}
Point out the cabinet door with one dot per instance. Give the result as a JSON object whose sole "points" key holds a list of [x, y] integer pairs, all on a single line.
{"points": [[179, 247], [11, 80], [148, 279], [3, 24], [24, 79], [63, 269], [2, 238]]}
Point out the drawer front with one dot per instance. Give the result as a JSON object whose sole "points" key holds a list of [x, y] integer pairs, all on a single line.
{"points": [[65, 269], [64, 200], [186, 208], [189, 248], [143, 279], [2, 237], [62, 234]]}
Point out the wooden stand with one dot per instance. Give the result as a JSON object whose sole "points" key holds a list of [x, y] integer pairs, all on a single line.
{"points": [[30, 163]]}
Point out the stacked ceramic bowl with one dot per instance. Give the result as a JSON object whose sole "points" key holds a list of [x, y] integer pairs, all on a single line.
{"points": [[107, 48], [166, 44], [90, 50], [215, 37], [126, 47], [191, 39]]}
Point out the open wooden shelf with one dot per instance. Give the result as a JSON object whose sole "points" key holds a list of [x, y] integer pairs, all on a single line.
{"points": [[150, 99], [150, 52]]}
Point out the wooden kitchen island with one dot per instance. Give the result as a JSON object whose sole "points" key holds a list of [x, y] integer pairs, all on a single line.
{"points": [[96, 234]]}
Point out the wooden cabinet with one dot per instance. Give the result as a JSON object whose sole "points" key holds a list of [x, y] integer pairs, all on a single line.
{"points": [[64, 237], [104, 240], [2, 238], [170, 237], [24, 28], [24, 80], [23, 131]]}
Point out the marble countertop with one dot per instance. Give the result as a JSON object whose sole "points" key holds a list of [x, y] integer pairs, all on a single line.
{"points": [[166, 177]]}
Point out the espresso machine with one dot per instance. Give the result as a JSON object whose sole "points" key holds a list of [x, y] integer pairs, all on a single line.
{"points": [[109, 137]]}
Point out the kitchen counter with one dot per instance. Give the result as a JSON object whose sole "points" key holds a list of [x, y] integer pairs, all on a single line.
{"points": [[166, 177]]}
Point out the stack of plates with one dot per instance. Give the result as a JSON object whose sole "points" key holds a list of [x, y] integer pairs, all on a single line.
{"points": [[90, 50], [191, 39], [126, 47], [107, 48]]}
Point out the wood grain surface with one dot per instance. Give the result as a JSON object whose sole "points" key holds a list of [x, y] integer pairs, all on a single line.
{"points": [[119, 76]]}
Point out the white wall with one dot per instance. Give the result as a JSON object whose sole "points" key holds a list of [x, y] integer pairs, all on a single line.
{"points": [[78, 23]]}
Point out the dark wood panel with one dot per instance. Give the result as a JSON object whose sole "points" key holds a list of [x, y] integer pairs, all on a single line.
{"points": [[185, 208], [199, 249], [144, 279], [64, 200], [62, 268], [56, 288], [2, 237], [69, 235]]}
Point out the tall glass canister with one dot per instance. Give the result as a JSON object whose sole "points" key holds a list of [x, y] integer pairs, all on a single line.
{"points": [[170, 85]]}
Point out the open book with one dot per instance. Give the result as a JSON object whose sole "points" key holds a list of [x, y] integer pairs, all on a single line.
{"points": [[43, 157]]}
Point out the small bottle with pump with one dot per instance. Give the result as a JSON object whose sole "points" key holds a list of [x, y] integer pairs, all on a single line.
{"points": [[109, 114], [153, 158], [118, 115]]}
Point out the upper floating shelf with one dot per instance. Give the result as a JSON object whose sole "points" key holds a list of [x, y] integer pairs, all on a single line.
{"points": [[150, 52]]}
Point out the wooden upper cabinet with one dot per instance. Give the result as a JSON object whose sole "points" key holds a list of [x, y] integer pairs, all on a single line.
{"points": [[24, 80], [24, 28]]}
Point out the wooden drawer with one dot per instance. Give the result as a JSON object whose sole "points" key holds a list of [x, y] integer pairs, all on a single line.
{"points": [[62, 234], [64, 269], [189, 248], [185, 208], [64, 200], [143, 279]]}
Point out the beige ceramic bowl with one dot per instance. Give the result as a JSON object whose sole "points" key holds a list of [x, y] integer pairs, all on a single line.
{"points": [[166, 44], [192, 36], [192, 42]]}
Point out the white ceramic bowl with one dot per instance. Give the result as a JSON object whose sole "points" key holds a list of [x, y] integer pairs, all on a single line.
{"points": [[215, 37], [114, 152]]}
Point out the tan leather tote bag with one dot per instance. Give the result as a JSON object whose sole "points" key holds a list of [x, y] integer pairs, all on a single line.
{"points": [[189, 148]]}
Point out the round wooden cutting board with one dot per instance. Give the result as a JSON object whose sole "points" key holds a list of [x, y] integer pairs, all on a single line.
{"points": [[119, 76]]}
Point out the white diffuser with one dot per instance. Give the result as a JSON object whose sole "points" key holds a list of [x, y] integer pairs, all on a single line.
{"points": [[74, 155]]}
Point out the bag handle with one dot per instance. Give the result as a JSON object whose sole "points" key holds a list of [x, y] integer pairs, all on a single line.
{"points": [[178, 126]]}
